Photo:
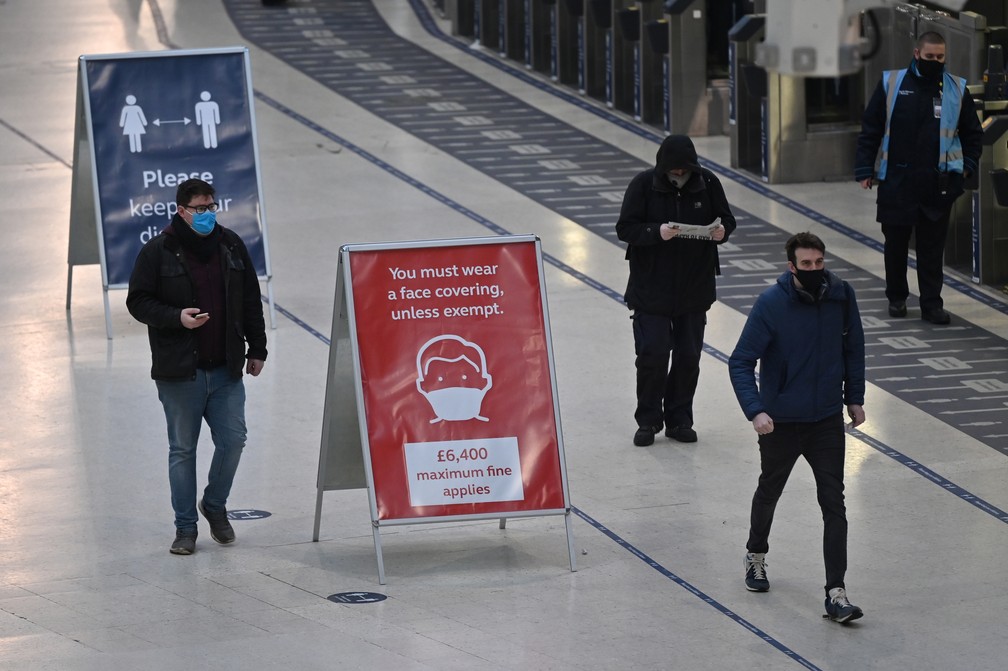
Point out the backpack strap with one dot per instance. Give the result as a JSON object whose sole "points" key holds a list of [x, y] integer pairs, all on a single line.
{"points": [[846, 308]]}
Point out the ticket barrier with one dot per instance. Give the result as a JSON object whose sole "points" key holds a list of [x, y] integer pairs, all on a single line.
{"points": [[811, 128], [542, 34], [808, 127], [461, 14], [598, 48], [567, 43], [500, 26], [654, 91], [977, 243], [687, 76], [537, 46], [986, 246], [625, 56], [747, 95], [487, 24], [644, 98], [647, 58], [513, 33], [824, 120], [894, 31]]}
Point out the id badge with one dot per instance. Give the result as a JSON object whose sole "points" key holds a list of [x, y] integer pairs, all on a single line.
{"points": [[937, 107]]}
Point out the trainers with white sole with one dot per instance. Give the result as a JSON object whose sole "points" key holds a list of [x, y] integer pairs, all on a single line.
{"points": [[839, 609], [755, 572]]}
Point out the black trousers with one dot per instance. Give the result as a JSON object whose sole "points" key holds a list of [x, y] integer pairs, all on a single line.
{"points": [[668, 367], [822, 445], [930, 248]]}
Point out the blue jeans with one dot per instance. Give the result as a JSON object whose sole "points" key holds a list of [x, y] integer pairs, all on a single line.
{"points": [[220, 399]]}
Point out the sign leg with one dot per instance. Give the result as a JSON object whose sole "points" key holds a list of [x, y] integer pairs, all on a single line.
{"points": [[272, 305], [570, 540], [378, 552], [108, 315], [318, 514], [69, 284]]}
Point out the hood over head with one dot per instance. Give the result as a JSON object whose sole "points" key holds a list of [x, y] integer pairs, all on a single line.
{"points": [[676, 151]]}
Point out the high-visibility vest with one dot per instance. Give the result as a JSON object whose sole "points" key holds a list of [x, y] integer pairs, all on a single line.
{"points": [[950, 155]]}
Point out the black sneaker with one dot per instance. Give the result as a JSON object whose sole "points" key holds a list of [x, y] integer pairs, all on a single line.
{"points": [[645, 436], [755, 572], [839, 609], [185, 543], [220, 528], [936, 316], [897, 309], [682, 433]]}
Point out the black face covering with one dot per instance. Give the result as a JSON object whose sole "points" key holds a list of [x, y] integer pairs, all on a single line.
{"points": [[930, 69], [812, 281]]}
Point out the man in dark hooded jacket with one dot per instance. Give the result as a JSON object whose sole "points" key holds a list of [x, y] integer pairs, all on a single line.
{"points": [[671, 285]]}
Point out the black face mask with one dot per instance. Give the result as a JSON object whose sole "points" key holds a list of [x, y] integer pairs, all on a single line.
{"points": [[930, 69], [812, 281]]}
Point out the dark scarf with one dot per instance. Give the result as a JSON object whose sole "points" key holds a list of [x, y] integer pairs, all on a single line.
{"points": [[201, 247]]}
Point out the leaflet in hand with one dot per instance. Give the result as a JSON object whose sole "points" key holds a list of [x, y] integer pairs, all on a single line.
{"points": [[694, 232]]}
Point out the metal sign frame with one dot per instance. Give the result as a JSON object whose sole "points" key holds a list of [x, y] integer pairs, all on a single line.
{"points": [[87, 231], [341, 464]]}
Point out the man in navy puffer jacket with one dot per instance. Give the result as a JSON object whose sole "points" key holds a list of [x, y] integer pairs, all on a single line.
{"points": [[806, 333]]}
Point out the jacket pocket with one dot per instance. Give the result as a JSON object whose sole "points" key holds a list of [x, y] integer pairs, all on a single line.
{"points": [[893, 189], [950, 187], [174, 353]]}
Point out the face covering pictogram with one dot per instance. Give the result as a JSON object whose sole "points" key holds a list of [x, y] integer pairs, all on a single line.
{"points": [[452, 376]]}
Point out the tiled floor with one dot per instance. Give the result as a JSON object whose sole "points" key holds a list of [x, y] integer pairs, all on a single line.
{"points": [[86, 581]]}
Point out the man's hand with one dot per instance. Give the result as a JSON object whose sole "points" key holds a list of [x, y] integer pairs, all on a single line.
{"points": [[763, 424], [717, 235], [254, 366], [856, 414], [668, 231], [867, 183], [189, 319]]}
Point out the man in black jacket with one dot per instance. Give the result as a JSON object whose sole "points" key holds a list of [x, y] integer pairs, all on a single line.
{"points": [[196, 289], [926, 125], [671, 285]]}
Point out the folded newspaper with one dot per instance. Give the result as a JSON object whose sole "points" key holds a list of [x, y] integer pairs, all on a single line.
{"points": [[694, 232]]}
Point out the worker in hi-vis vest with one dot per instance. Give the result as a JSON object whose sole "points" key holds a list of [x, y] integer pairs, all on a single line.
{"points": [[920, 138]]}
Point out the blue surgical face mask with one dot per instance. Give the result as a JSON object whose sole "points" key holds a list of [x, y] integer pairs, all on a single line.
{"points": [[204, 223]]}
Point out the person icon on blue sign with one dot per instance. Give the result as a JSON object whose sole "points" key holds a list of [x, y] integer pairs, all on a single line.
{"points": [[133, 122], [207, 117]]}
